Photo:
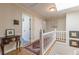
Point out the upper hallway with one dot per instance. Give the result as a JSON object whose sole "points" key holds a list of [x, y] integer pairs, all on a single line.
{"points": [[42, 18]]}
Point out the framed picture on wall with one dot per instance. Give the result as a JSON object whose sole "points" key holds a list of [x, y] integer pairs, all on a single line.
{"points": [[74, 43], [10, 32], [74, 34], [16, 22]]}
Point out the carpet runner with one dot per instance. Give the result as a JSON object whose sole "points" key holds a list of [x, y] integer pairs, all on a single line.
{"points": [[35, 47]]}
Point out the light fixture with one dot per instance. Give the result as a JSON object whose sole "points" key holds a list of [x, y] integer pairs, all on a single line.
{"points": [[52, 9]]}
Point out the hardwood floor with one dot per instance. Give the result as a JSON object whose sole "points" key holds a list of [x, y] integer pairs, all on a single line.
{"points": [[22, 51]]}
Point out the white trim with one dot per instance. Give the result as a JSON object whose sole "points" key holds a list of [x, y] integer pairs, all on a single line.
{"points": [[48, 33], [49, 46], [51, 43]]}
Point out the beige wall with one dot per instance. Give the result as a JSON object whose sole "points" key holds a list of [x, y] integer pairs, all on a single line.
{"points": [[9, 12], [50, 22], [72, 20], [61, 23], [37, 26], [56, 22]]}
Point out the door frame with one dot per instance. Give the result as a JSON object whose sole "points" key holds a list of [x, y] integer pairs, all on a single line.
{"points": [[29, 26]]}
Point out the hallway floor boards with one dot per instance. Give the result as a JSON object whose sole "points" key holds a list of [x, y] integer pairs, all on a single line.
{"points": [[23, 51]]}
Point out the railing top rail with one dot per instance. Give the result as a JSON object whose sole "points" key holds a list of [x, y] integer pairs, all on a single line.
{"points": [[52, 32], [48, 32]]}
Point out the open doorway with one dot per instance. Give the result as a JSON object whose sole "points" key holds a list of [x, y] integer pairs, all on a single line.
{"points": [[26, 29]]}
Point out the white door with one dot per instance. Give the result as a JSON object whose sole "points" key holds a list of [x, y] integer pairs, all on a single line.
{"points": [[26, 29]]}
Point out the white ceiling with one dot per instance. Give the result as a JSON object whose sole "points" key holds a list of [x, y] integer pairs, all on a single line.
{"points": [[43, 9], [40, 8]]}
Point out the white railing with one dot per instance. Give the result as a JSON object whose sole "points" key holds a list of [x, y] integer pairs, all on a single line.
{"points": [[48, 39], [61, 36]]}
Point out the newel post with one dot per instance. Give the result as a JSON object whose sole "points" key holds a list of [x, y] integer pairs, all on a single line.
{"points": [[41, 42]]}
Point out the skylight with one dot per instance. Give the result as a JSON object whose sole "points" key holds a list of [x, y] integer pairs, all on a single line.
{"points": [[62, 6]]}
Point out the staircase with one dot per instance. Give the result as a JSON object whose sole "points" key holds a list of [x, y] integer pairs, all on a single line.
{"points": [[34, 47], [46, 40]]}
